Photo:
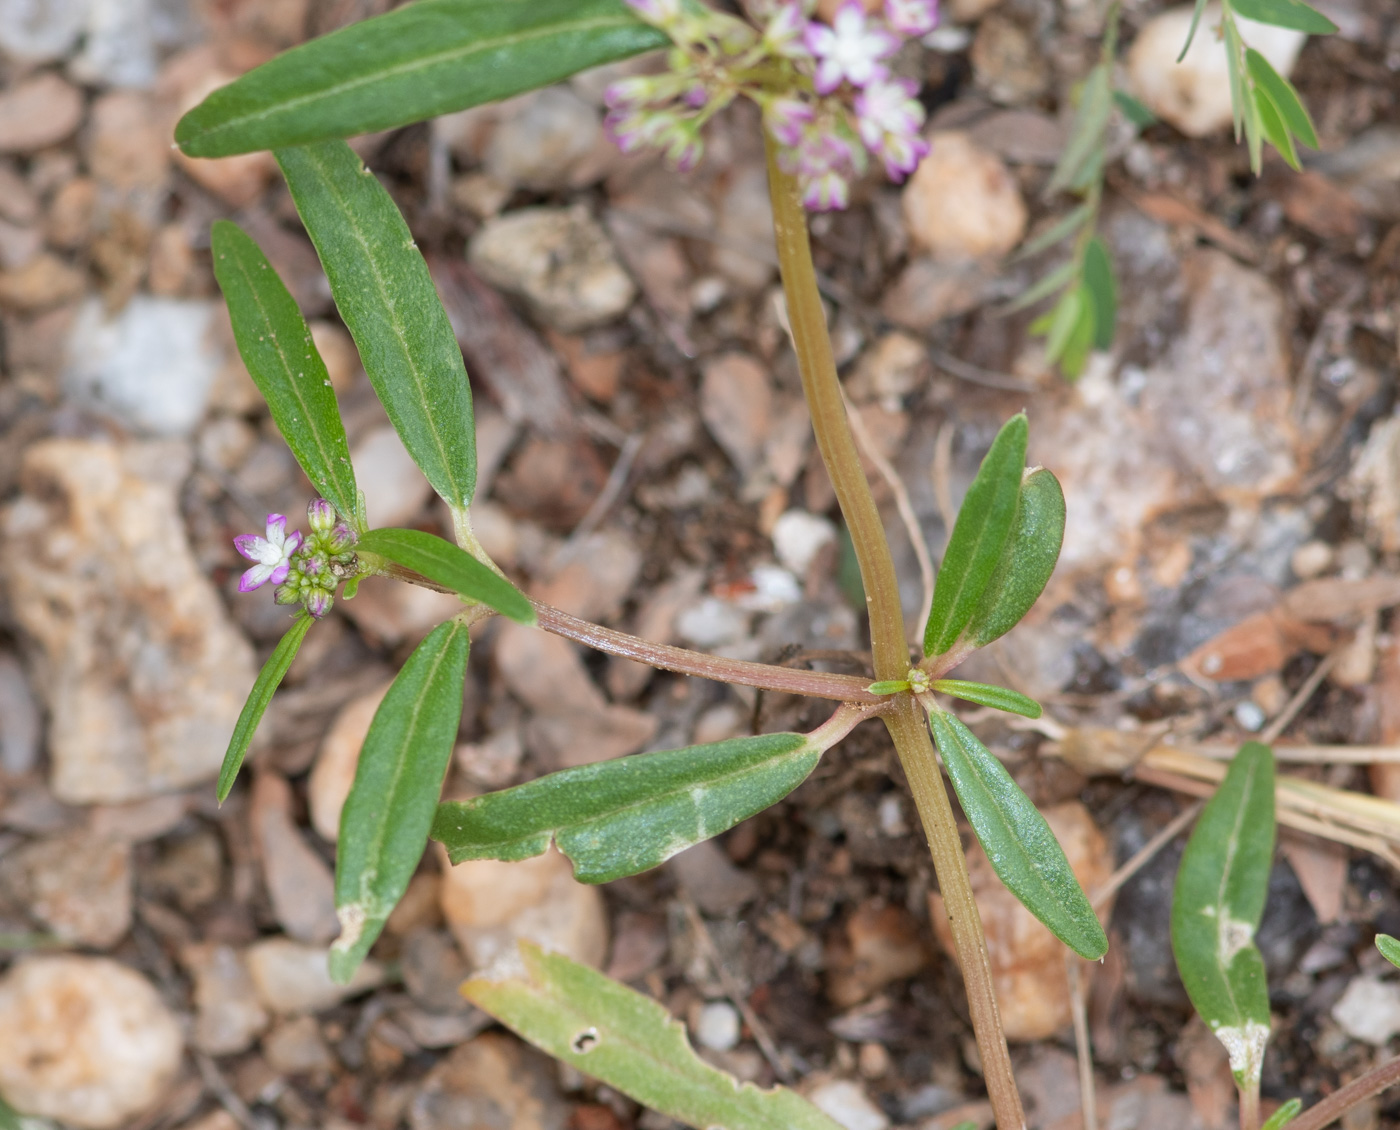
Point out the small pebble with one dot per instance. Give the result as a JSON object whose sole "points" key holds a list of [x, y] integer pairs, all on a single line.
{"points": [[798, 536], [1369, 1010], [1250, 716], [848, 1104], [718, 1026], [1312, 559], [712, 622]]}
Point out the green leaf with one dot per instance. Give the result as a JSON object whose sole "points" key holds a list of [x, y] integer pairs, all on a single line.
{"points": [[1275, 132], [1284, 98], [1219, 898], [1044, 287], [1070, 311], [1284, 1115], [631, 1043], [1019, 843], [421, 60], [979, 534], [1389, 947], [619, 817], [381, 287], [268, 680], [384, 824], [1065, 226], [1284, 13], [1075, 354], [1086, 134], [1136, 112], [1027, 561], [984, 694], [1191, 31], [1102, 291], [454, 568], [276, 346]]}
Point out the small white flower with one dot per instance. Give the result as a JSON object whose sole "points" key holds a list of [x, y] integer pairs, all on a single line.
{"points": [[850, 49], [912, 17], [271, 555]]}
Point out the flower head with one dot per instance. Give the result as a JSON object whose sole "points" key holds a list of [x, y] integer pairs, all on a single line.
{"points": [[787, 118], [786, 32], [850, 50], [320, 515], [912, 17], [889, 118], [271, 555]]}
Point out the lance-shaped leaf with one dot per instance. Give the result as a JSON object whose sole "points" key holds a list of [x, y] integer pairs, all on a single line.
{"points": [[631, 1043], [1086, 134], [381, 286], [1019, 844], [451, 567], [619, 817], [1026, 562], [1285, 13], [276, 346], [419, 61], [984, 694], [266, 684], [1102, 291], [1390, 948], [1219, 898], [1285, 100], [1065, 226], [1284, 1115], [384, 824], [980, 533]]}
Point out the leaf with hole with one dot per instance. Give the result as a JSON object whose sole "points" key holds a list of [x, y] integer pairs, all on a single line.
{"points": [[619, 817], [1285, 13], [264, 687], [1221, 887], [416, 62], [1019, 844], [630, 1042], [384, 824], [276, 347], [1102, 291], [979, 534], [1291, 111], [1027, 561], [985, 694], [381, 287], [444, 563]]}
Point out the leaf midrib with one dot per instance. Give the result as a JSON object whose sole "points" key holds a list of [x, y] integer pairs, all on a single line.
{"points": [[307, 413], [458, 54], [400, 330]]}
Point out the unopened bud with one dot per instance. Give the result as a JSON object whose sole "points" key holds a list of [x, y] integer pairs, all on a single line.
{"points": [[318, 602], [320, 515], [341, 538]]}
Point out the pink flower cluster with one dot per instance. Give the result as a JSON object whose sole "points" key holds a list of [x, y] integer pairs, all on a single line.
{"points": [[826, 91]]}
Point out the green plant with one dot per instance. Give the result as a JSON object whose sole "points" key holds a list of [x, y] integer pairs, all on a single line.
{"points": [[1217, 904], [828, 108], [1266, 108]]}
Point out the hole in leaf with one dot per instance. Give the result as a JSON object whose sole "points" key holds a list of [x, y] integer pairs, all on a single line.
{"points": [[585, 1041]]}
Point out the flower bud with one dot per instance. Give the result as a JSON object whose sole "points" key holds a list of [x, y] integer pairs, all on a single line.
{"points": [[341, 538], [320, 515], [318, 602], [287, 594]]}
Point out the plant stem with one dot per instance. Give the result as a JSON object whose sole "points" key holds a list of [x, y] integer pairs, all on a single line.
{"points": [[788, 680], [1339, 1102], [891, 653], [1249, 1106]]}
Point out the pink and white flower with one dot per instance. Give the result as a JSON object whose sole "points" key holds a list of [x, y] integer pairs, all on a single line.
{"points": [[850, 50], [912, 17], [889, 118], [657, 12], [786, 32], [271, 555], [787, 118]]}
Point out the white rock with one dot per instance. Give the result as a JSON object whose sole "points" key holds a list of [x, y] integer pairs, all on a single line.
{"points": [[962, 202], [119, 48], [848, 1104], [1194, 95], [40, 31], [336, 762], [20, 723], [292, 978], [798, 536], [541, 139], [395, 489], [87, 1041], [142, 671], [1369, 1010], [717, 1027], [711, 622], [559, 260], [490, 905], [152, 365]]}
